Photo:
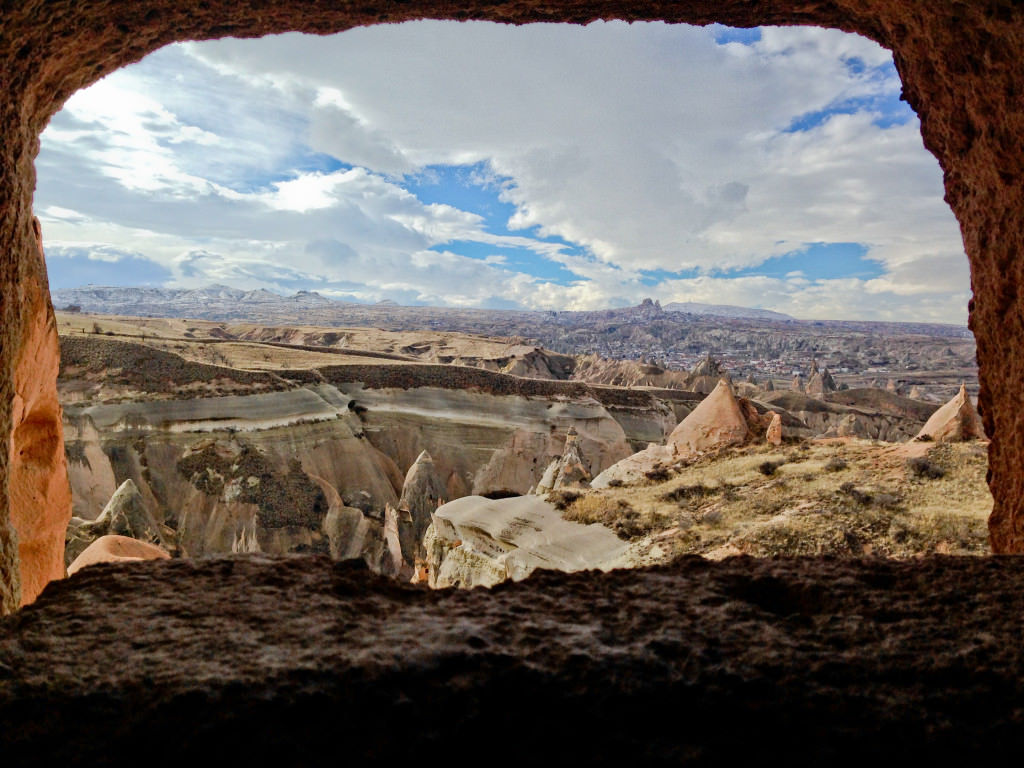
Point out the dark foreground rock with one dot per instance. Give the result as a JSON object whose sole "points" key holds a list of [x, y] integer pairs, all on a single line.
{"points": [[296, 660]]}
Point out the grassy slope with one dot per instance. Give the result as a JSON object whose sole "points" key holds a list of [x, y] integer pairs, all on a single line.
{"points": [[809, 505]]}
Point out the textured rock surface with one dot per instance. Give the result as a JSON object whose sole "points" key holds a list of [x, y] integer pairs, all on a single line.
{"points": [[959, 63], [40, 496], [477, 541], [956, 420], [278, 661]]}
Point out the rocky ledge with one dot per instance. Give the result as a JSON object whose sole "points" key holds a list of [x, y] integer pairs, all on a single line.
{"points": [[291, 660]]}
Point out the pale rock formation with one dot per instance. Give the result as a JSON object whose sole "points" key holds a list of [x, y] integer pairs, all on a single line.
{"points": [[955, 421], [422, 493], [915, 393], [769, 385], [798, 383], [717, 422], [89, 469], [706, 374], [124, 515], [633, 469], [476, 541], [850, 425], [568, 471], [773, 435], [820, 383], [114, 548]]}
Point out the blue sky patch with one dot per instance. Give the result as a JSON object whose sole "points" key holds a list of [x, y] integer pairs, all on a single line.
{"points": [[889, 109], [725, 34], [819, 261], [474, 188]]}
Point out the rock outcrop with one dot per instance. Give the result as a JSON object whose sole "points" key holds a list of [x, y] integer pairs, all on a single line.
{"points": [[956, 420], [773, 435], [279, 660], [717, 422], [125, 515], [570, 470], [113, 548], [820, 383], [481, 542], [422, 493]]}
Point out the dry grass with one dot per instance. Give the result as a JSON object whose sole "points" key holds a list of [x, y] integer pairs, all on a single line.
{"points": [[845, 498]]}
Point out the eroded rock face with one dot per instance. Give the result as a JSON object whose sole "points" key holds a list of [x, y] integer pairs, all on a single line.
{"points": [[39, 494], [959, 63]]}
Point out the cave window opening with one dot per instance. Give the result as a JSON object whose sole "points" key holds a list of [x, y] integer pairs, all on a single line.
{"points": [[552, 168]]}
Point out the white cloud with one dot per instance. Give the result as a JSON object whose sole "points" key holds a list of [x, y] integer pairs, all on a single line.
{"points": [[649, 146]]}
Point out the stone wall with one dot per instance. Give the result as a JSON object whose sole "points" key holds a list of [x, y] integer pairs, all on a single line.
{"points": [[959, 61]]}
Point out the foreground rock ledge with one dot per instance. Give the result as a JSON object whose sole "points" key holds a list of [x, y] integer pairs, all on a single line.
{"points": [[294, 660]]}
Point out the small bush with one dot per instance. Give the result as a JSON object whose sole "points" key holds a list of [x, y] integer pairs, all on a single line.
{"points": [[615, 514], [835, 464], [562, 499], [767, 468], [685, 492], [859, 496], [658, 474], [926, 468], [616, 482]]}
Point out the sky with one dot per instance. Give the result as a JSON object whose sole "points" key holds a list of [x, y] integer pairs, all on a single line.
{"points": [[535, 167]]}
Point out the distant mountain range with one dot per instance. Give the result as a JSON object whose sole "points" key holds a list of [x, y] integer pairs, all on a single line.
{"points": [[182, 302], [724, 310], [231, 302]]}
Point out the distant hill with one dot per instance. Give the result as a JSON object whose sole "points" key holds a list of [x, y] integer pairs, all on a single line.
{"points": [[725, 310], [182, 302]]}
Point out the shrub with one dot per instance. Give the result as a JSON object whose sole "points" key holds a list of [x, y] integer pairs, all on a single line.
{"points": [[926, 468], [658, 474], [835, 464], [563, 499], [616, 482], [685, 492], [767, 468]]}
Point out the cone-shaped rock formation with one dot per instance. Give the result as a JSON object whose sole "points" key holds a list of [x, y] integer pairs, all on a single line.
{"points": [[956, 420], [718, 421]]}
